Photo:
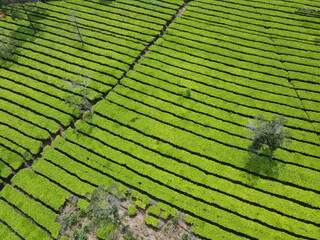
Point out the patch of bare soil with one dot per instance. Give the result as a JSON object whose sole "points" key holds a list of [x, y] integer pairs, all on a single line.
{"points": [[70, 207], [167, 229]]}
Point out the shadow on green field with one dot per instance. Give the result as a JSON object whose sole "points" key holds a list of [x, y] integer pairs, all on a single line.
{"points": [[26, 33], [106, 2], [7, 64], [261, 165]]}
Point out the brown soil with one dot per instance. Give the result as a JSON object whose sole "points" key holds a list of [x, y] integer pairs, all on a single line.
{"points": [[167, 231]]}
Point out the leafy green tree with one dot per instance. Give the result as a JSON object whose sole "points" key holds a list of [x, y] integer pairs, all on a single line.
{"points": [[268, 133], [19, 8]]}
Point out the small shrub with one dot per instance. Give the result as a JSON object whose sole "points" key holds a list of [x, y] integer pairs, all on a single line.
{"points": [[132, 210], [75, 234], [150, 220], [187, 93], [82, 236], [155, 210], [175, 219], [106, 232], [86, 228], [71, 218], [140, 204], [185, 236], [82, 213]]}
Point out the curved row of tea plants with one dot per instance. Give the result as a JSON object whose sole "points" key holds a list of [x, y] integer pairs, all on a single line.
{"points": [[173, 128], [33, 93]]}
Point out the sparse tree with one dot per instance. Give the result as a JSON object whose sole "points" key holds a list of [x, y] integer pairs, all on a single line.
{"points": [[268, 133], [104, 206], [19, 8], [80, 87], [76, 30], [7, 46]]}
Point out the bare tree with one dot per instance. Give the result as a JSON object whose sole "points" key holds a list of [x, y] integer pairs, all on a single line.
{"points": [[76, 30], [19, 8]]}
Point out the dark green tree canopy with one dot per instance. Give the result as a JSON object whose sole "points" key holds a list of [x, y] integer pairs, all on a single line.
{"points": [[268, 133]]}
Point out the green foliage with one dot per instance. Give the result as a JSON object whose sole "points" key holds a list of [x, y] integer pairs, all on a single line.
{"points": [[150, 220], [128, 238], [104, 206], [82, 213], [82, 204], [132, 210], [82, 236], [140, 204], [185, 236], [155, 210], [267, 133], [122, 191], [80, 99], [164, 215], [71, 218], [107, 231], [145, 199], [187, 93], [7, 46], [86, 228], [75, 234], [175, 219]]}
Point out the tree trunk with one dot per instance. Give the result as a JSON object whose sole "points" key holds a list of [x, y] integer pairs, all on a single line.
{"points": [[270, 155], [79, 33]]}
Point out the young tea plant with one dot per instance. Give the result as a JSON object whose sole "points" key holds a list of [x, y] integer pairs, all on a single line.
{"points": [[186, 93]]}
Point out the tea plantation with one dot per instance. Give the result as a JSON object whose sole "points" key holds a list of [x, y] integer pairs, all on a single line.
{"points": [[173, 84]]}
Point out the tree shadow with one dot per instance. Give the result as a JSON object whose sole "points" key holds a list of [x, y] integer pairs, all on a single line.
{"points": [[26, 33], [23, 34], [8, 63], [262, 165], [37, 13], [106, 2]]}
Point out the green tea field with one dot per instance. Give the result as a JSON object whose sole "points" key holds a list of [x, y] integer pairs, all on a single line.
{"points": [[172, 87]]}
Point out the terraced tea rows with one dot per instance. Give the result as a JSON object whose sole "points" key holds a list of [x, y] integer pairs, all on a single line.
{"points": [[32, 90], [170, 121]]}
